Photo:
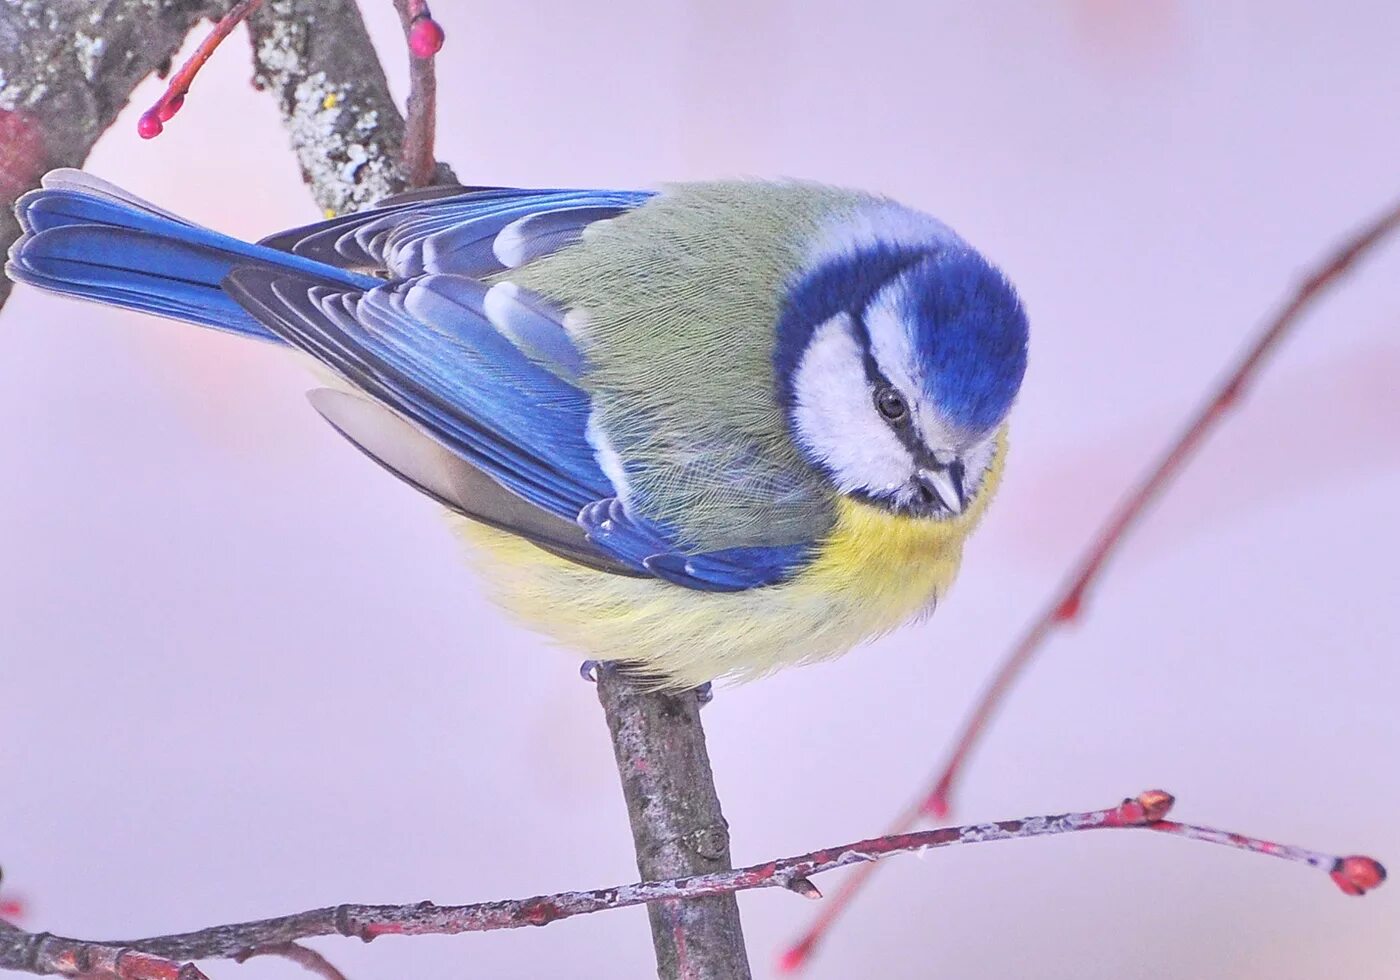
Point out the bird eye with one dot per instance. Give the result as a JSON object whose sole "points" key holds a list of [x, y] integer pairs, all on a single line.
{"points": [[890, 404]]}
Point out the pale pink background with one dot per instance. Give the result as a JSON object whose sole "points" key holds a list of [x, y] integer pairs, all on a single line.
{"points": [[244, 671]]}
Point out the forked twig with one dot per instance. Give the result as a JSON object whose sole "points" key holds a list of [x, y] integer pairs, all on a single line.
{"points": [[425, 37]]}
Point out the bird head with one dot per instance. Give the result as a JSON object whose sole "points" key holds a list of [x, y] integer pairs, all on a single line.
{"points": [[896, 366]]}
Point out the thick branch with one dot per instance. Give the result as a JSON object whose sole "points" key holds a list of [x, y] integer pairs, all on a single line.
{"points": [[677, 826], [317, 58], [67, 67], [44, 953]]}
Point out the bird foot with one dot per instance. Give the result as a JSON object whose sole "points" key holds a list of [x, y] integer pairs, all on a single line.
{"points": [[591, 670]]}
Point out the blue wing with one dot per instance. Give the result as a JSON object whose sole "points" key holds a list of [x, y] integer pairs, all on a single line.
{"points": [[487, 373], [426, 348], [648, 545], [476, 233], [430, 348]]}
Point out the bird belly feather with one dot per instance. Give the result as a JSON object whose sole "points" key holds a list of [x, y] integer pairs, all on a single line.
{"points": [[875, 571]]}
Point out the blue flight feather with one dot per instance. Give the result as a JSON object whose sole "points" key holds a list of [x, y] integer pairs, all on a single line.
{"points": [[453, 235], [110, 250], [458, 235], [424, 348], [76, 261], [536, 326], [543, 233], [649, 546]]}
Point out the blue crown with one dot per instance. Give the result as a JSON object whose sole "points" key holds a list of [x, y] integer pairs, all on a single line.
{"points": [[968, 324], [971, 333]]}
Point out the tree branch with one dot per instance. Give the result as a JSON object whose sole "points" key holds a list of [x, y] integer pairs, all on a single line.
{"points": [[425, 39], [677, 826], [67, 67], [44, 954], [303, 956], [1068, 603], [162, 957], [153, 120], [316, 57]]}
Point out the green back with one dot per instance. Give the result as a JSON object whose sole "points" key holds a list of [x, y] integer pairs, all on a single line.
{"points": [[679, 301]]}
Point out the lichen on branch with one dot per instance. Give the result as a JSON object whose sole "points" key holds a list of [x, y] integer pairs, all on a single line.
{"points": [[315, 57]]}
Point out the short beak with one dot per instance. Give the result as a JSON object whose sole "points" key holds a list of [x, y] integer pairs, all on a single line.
{"points": [[944, 485]]}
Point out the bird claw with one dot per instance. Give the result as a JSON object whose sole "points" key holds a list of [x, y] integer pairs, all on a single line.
{"points": [[591, 670]]}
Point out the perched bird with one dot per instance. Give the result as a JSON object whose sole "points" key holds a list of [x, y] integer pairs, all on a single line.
{"points": [[706, 432]]}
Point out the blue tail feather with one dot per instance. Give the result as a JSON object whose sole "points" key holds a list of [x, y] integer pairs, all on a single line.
{"points": [[86, 242]]}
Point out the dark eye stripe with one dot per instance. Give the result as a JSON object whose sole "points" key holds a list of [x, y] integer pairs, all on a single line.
{"points": [[909, 438]]}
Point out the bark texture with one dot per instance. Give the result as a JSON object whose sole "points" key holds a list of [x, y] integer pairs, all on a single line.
{"points": [[678, 828], [316, 59]]}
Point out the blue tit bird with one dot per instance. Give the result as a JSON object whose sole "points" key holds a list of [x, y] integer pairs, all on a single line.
{"points": [[708, 431]]}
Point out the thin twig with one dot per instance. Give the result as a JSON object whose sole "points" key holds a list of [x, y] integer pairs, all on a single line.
{"points": [[359, 105], [153, 120], [44, 953], [303, 956], [1068, 602], [425, 37]]}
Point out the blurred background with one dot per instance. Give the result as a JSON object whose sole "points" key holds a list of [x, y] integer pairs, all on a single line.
{"points": [[244, 672]]}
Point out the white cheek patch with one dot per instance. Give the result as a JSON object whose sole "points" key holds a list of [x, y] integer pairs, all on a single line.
{"points": [[836, 418]]}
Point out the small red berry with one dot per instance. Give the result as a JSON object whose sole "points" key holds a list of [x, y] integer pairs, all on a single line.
{"points": [[149, 125], [1358, 874], [425, 37]]}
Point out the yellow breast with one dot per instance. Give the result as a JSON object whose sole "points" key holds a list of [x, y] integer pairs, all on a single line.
{"points": [[875, 571]]}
